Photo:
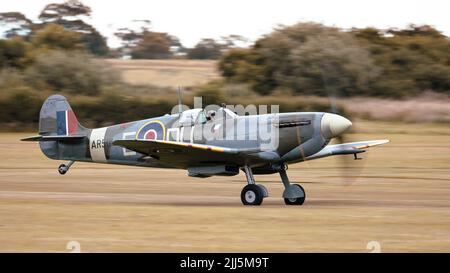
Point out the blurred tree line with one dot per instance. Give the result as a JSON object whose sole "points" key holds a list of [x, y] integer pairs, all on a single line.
{"points": [[54, 59], [138, 43], [59, 54], [71, 15], [312, 59], [142, 43]]}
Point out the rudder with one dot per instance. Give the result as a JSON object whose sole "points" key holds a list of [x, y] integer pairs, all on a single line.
{"points": [[57, 118]]}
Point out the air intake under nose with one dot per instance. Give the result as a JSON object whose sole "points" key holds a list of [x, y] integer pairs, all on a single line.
{"points": [[333, 125]]}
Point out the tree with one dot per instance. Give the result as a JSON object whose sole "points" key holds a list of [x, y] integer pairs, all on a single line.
{"points": [[230, 64], [15, 24], [309, 58], [55, 12], [70, 15], [211, 93], [153, 45], [234, 41], [57, 37], [14, 53], [306, 58], [206, 49], [130, 36], [317, 60], [141, 43], [94, 41], [413, 59], [71, 72], [213, 49], [248, 66], [417, 30]]}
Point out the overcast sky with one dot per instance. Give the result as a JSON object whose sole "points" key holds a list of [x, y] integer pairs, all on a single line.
{"points": [[191, 20]]}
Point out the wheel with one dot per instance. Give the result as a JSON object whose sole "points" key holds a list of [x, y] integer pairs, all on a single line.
{"points": [[264, 190], [62, 169], [296, 201], [252, 195]]}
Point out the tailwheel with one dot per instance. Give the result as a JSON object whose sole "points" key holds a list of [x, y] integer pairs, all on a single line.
{"points": [[62, 169], [252, 195], [297, 200]]}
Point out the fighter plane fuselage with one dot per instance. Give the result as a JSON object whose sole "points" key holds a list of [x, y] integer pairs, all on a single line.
{"points": [[293, 131]]}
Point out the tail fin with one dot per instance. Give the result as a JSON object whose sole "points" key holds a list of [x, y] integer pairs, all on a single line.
{"points": [[57, 118]]}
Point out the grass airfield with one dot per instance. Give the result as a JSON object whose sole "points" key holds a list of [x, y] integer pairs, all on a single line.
{"points": [[398, 196]]}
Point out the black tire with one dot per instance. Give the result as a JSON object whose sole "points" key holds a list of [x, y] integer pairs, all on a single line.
{"points": [[265, 192], [296, 201], [62, 169], [252, 195]]}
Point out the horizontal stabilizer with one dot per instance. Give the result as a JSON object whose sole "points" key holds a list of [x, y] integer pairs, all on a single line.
{"points": [[53, 138]]}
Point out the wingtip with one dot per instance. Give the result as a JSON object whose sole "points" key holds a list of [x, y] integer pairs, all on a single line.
{"points": [[380, 142], [371, 143], [32, 138]]}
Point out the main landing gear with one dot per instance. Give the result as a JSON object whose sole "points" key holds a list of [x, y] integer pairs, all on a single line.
{"points": [[293, 194], [63, 168], [253, 194]]}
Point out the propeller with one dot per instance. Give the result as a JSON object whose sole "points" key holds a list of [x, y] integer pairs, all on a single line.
{"points": [[350, 168]]}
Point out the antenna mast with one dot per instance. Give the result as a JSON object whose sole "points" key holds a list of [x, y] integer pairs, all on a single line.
{"points": [[180, 100]]}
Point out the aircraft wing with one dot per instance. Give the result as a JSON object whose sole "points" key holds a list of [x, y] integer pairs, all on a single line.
{"points": [[185, 154], [347, 148]]}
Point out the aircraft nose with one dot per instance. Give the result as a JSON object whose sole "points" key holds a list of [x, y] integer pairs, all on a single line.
{"points": [[333, 125]]}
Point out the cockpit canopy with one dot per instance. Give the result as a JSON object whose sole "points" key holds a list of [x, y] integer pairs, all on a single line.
{"points": [[198, 116]]}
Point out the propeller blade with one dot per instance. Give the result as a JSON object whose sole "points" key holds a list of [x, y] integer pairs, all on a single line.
{"points": [[350, 169]]}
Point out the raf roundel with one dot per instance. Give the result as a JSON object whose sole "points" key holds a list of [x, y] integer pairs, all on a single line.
{"points": [[153, 130], [151, 134]]}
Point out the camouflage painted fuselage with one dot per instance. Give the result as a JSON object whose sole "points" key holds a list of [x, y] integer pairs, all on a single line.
{"points": [[293, 137], [295, 142]]}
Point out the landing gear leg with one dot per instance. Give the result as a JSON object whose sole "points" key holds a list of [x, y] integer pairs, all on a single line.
{"points": [[63, 168], [293, 194], [252, 194]]}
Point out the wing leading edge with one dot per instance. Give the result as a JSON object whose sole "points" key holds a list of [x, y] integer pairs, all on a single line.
{"points": [[150, 146], [347, 148]]}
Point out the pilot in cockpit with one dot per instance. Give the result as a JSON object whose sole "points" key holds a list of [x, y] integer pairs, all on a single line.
{"points": [[211, 115]]}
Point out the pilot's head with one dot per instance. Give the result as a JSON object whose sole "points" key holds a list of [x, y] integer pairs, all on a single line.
{"points": [[210, 115]]}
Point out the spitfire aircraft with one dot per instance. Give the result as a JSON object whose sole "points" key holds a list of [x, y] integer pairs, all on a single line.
{"points": [[178, 141]]}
